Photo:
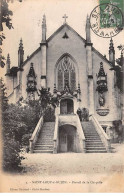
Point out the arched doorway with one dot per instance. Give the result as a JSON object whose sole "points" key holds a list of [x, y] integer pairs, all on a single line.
{"points": [[67, 138], [66, 106]]}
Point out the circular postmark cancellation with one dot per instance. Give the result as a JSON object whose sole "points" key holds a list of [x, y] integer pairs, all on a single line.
{"points": [[106, 20]]}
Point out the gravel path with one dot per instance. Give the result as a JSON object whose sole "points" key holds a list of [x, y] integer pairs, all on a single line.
{"points": [[74, 163]]}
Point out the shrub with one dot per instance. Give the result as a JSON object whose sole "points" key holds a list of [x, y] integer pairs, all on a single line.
{"points": [[18, 125], [49, 115], [11, 155], [25, 139]]}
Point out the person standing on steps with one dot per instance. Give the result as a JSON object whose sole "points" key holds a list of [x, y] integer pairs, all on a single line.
{"points": [[79, 114]]}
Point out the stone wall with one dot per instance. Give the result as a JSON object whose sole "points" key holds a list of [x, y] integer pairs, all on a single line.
{"points": [[111, 99], [74, 46]]}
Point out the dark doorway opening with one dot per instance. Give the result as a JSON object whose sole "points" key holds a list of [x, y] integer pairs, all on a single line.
{"points": [[67, 138], [66, 106], [70, 143]]}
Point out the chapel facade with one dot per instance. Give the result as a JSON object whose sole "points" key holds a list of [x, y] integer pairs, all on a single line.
{"points": [[69, 64]]}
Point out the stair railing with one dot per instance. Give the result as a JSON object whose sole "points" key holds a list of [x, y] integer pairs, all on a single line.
{"points": [[55, 139], [104, 137], [81, 135], [35, 135]]}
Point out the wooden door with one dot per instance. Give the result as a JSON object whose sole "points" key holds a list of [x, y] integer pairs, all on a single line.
{"points": [[63, 106], [63, 142]]}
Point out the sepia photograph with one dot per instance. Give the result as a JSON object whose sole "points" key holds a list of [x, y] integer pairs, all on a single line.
{"points": [[62, 96]]}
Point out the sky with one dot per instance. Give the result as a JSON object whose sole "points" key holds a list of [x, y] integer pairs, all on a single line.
{"points": [[27, 21]]}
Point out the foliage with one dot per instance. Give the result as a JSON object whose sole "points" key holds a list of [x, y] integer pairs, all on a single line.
{"points": [[119, 129], [11, 154], [18, 124], [5, 16], [25, 139], [44, 97], [49, 115], [19, 120], [3, 95], [118, 69]]}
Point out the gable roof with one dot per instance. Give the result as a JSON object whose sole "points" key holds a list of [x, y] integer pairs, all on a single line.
{"points": [[29, 57], [71, 29], [60, 28], [102, 56]]}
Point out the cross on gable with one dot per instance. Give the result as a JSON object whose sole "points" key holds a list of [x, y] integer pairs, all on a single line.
{"points": [[65, 17]]}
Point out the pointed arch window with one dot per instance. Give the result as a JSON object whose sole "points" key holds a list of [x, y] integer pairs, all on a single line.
{"points": [[73, 79], [60, 80], [66, 74], [66, 77]]}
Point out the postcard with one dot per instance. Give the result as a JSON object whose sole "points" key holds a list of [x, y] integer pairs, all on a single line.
{"points": [[62, 96]]}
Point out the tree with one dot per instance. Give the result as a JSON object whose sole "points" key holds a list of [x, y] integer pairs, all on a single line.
{"points": [[119, 68], [3, 95], [5, 16], [18, 124]]}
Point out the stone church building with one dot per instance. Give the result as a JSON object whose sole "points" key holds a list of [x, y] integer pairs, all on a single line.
{"points": [[69, 64]]}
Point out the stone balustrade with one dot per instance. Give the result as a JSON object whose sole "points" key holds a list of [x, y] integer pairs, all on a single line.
{"points": [[81, 135], [55, 139], [104, 137], [35, 135]]}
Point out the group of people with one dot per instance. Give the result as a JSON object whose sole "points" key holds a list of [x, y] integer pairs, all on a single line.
{"points": [[83, 114]]}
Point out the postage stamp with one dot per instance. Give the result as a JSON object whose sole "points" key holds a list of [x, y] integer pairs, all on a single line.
{"points": [[106, 19]]}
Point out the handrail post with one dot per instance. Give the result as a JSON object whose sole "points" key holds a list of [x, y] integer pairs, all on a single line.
{"points": [[55, 135], [81, 135], [31, 145], [84, 145], [55, 147]]}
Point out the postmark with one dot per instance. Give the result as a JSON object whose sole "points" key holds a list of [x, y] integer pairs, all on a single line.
{"points": [[106, 20]]}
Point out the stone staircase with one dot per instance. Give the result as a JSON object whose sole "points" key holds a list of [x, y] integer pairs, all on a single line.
{"points": [[44, 143], [93, 140]]}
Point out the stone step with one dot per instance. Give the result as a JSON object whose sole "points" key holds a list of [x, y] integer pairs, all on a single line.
{"points": [[92, 136], [43, 148], [90, 140], [46, 140], [45, 137], [46, 134], [94, 144], [47, 130], [96, 148], [90, 133], [47, 149], [44, 143], [43, 151], [93, 140], [96, 151], [96, 140], [48, 127]]}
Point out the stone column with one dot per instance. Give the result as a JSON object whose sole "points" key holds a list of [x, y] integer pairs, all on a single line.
{"points": [[90, 77], [43, 46], [43, 65], [88, 46]]}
